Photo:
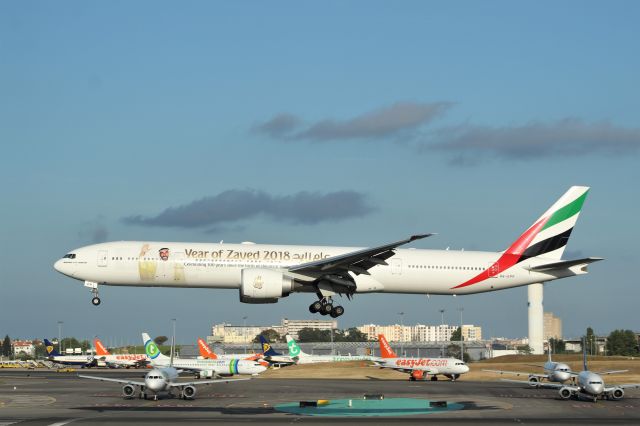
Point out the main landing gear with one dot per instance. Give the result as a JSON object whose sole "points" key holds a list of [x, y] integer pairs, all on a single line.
{"points": [[325, 307]]}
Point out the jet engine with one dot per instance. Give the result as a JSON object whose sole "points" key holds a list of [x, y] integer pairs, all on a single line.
{"points": [[264, 286], [416, 375], [189, 392], [617, 394], [128, 391], [534, 381], [565, 393]]}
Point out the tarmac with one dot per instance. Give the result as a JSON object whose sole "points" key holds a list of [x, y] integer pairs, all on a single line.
{"points": [[45, 397]]}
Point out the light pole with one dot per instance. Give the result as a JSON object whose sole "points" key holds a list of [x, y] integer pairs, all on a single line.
{"points": [[440, 332], [461, 336], [60, 336], [173, 338], [401, 333], [244, 332]]}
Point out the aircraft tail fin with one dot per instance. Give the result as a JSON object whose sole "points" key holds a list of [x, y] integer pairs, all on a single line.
{"points": [[51, 350], [294, 349], [152, 350], [267, 350], [205, 350], [100, 349], [385, 348]]}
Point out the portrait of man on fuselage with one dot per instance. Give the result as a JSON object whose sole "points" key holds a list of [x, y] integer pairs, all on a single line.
{"points": [[164, 253]]}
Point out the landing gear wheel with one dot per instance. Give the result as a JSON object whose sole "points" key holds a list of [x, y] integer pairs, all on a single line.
{"points": [[315, 307], [95, 301], [326, 309], [337, 311], [434, 378]]}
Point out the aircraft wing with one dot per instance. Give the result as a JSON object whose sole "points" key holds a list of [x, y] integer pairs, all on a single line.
{"points": [[625, 386], [205, 382], [403, 369], [612, 372], [519, 373], [336, 268], [109, 379], [547, 385]]}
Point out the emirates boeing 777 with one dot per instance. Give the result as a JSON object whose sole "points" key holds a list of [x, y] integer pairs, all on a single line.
{"points": [[264, 273]]}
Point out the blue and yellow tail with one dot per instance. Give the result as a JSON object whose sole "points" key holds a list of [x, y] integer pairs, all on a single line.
{"points": [[267, 350], [51, 350]]}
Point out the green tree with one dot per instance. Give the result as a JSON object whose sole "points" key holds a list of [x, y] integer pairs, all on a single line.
{"points": [[453, 351], [524, 349], [557, 346], [6, 346], [161, 340], [313, 335], [270, 334], [456, 336], [622, 342], [590, 340], [354, 335]]}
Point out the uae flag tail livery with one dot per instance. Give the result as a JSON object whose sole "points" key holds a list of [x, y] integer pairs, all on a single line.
{"points": [[546, 238]]}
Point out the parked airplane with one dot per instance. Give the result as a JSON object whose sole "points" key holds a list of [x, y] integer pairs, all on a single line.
{"points": [[201, 367], [80, 360], [419, 368], [207, 353], [103, 357], [159, 380], [589, 384], [553, 372], [273, 357], [265, 273], [301, 357]]}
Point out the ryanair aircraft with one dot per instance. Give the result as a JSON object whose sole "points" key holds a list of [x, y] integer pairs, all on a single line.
{"points": [[265, 273]]}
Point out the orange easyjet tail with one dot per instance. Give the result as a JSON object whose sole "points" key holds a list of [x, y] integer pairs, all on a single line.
{"points": [[205, 350], [385, 349], [100, 349]]}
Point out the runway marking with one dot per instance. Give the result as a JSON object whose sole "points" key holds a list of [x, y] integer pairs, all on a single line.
{"points": [[63, 422]]}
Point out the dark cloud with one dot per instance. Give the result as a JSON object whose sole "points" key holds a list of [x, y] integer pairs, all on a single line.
{"points": [[94, 232], [395, 120], [279, 126], [568, 137], [236, 205]]}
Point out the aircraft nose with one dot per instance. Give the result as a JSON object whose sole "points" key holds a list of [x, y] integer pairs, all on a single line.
{"points": [[64, 268]]}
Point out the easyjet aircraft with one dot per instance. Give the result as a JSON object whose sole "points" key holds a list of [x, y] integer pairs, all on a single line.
{"points": [[104, 357], [207, 353], [264, 273], [419, 368]]}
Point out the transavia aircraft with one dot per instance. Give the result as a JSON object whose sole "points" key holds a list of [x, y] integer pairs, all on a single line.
{"points": [[158, 380], [300, 357], [264, 273], [558, 372], [419, 368]]}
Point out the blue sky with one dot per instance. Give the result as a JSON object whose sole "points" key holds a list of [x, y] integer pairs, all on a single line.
{"points": [[463, 118]]}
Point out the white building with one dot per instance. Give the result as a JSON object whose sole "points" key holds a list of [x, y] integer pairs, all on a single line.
{"points": [[23, 347], [420, 332], [241, 334]]}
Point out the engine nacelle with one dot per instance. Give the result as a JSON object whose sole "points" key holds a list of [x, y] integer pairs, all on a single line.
{"points": [[618, 393], [128, 391], [264, 286], [189, 392], [565, 393], [534, 381], [417, 375]]}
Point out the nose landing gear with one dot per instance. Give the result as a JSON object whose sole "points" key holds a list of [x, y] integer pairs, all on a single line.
{"points": [[325, 306], [94, 291]]}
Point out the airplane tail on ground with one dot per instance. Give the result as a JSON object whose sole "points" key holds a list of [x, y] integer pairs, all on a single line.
{"points": [[205, 350], [294, 349], [385, 348], [152, 350], [100, 349], [546, 238], [51, 350], [267, 350]]}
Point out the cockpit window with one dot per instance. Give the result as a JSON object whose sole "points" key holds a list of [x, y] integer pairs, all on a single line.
{"points": [[595, 383], [69, 256]]}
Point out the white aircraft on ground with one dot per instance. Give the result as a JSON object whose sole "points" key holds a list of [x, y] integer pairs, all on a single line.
{"points": [[558, 372], [589, 384], [300, 357], [419, 368], [104, 357], [202, 367], [158, 380], [264, 273], [78, 360], [207, 353]]}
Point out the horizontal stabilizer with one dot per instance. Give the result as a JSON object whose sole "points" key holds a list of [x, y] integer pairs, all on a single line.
{"points": [[564, 264]]}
